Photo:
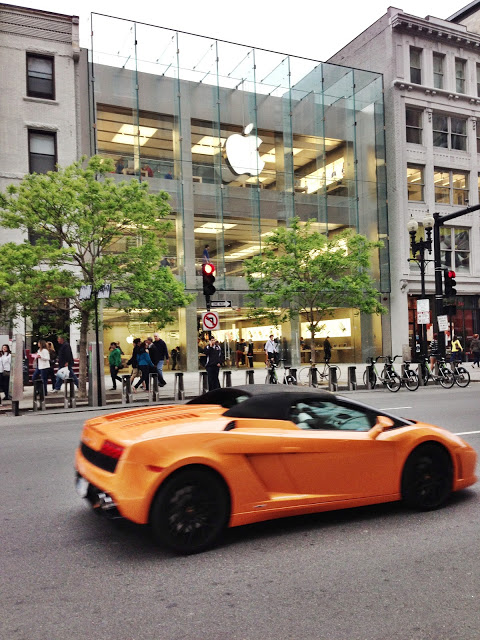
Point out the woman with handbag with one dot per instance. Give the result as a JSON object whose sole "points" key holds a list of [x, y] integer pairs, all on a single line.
{"points": [[145, 365], [5, 367]]}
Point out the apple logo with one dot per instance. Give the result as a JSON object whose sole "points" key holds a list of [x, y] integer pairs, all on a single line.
{"points": [[242, 155]]}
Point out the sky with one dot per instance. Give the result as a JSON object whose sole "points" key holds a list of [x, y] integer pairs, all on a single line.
{"points": [[312, 29]]}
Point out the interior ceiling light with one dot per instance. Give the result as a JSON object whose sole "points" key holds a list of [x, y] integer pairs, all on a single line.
{"points": [[214, 227], [208, 145], [269, 156], [127, 134]]}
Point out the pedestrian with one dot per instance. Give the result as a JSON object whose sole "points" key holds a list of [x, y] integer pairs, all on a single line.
{"points": [[270, 349], [214, 362], [174, 353], [145, 364], [327, 350], [250, 354], [65, 359], [475, 349], [115, 362], [240, 352], [206, 254], [162, 355], [457, 351], [433, 350], [5, 368], [43, 363], [135, 373], [53, 360]]}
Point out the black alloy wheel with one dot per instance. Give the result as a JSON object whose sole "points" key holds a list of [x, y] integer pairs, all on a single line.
{"points": [[427, 477], [190, 511]]}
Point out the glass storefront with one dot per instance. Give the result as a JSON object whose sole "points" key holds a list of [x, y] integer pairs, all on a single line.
{"points": [[243, 140]]}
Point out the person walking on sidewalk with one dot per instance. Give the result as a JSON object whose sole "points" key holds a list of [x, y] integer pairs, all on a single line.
{"points": [[475, 349], [5, 367], [65, 359], [145, 365], [214, 362], [161, 355], [115, 362], [43, 362]]}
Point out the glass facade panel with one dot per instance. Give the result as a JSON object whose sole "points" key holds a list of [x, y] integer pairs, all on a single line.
{"points": [[243, 140]]}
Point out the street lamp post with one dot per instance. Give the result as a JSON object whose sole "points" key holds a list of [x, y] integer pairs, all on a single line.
{"points": [[418, 252]]}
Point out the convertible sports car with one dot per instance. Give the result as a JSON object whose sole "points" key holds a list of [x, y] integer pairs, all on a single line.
{"points": [[244, 454]]}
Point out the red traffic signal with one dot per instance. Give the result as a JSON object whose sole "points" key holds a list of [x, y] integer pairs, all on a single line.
{"points": [[450, 283], [208, 274]]}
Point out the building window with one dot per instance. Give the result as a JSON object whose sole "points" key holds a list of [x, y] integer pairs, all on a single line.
{"points": [[415, 182], [449, 132], [40, 82], [415, 65], [455, 248], [451, 187], [414, 125], [460, 66], [478, 80], [42, 151], [438, 60]]}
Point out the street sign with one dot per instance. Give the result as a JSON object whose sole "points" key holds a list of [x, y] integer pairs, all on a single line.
{"points": [[210, 320], [220, 303], [423, 317], [442, 323], [423, 305]]}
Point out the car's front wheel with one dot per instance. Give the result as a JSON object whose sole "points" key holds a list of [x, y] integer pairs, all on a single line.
{"points": [[190, 511], [427, 477]]}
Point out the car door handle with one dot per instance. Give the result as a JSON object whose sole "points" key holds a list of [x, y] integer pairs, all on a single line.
{"points": [[290, 449]]}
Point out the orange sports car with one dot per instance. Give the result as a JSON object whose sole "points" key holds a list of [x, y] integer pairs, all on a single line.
{"points": [[244, 454]]}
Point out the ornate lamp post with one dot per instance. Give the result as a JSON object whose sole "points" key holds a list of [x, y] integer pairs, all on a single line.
{"points": [[418, 252]]}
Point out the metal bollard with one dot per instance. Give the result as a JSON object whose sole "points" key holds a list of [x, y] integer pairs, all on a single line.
{"points": [[127, 395], [227, 378], [69, 397], [203, 382], [370, 374], [332, 379], [153, 387], [249, 379], [352, 378], [312, 377], [38, 396], [293, 373], [178, 388]]}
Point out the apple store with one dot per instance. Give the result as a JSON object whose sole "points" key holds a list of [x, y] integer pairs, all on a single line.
{"points": [[243, 140]]}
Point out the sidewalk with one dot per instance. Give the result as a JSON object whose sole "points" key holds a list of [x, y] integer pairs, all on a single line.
{"points": [[191, 380]]}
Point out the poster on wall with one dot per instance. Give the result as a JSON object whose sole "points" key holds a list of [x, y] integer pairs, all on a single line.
{"points": [[337, 328]]}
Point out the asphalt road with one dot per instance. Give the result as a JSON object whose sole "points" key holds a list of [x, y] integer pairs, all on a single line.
{"points": [[373, 573]]}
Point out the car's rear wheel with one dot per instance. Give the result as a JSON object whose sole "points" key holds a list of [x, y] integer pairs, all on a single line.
{"points": [[427, 477], [190, 511]]}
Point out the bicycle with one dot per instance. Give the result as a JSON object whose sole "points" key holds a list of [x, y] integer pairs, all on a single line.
{"points": [[388, 376], [272, 376], [461, 375], [409, 378], [312, 376], [445, 376]]}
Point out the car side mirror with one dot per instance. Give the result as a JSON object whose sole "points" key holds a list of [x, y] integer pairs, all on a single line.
{"points": [[383, 423]]}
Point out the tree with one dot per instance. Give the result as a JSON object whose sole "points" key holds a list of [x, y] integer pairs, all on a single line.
{"points": [[74, 217], [302, 271]]}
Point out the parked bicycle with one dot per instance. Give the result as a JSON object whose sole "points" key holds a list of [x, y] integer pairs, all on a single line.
{"points": [[387, 376], [272, 376], [461, 375], [445, 376], [409, 377], [312, 376]]}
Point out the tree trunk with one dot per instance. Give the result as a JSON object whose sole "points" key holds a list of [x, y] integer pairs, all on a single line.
{"points": [[312, 347], [84, 325]]}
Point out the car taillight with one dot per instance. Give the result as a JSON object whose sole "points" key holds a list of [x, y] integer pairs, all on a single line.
{"points": [[112, 450]]}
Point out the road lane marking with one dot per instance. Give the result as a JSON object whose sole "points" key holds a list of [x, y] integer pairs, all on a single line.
{"points": [[465, 433], [395, 408]]}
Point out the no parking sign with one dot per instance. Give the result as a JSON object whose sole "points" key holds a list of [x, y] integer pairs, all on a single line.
{"points": [[210, 320]]}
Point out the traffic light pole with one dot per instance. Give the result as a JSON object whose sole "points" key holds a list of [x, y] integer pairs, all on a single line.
{"points": [[439, 221]]}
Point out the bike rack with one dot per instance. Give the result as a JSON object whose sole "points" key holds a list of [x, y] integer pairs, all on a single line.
{"points": [[178, 388], [422, 374], [370, 378], [332, 379], [69, 398], [352, 378], [227, 378], [38, 396], [153, 387], [203, 382], [249, 379], [293, 373], [127, 395], [312, 377]]}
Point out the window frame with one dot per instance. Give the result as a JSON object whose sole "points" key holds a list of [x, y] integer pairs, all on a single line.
{"points": [[38, 94], [460, 78], [45, 133], [452, 190], [410, 127], [448, 133], [452, 250], [437, 74], [421, 167], [419, 52]]}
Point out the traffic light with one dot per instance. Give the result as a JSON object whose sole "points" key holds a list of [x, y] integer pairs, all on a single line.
{"points": [[450, 283], [208, 273]]}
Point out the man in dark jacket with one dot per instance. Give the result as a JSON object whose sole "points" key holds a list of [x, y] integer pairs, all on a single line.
{"points": [[161, 355], [214, 362], [65, 359]]}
